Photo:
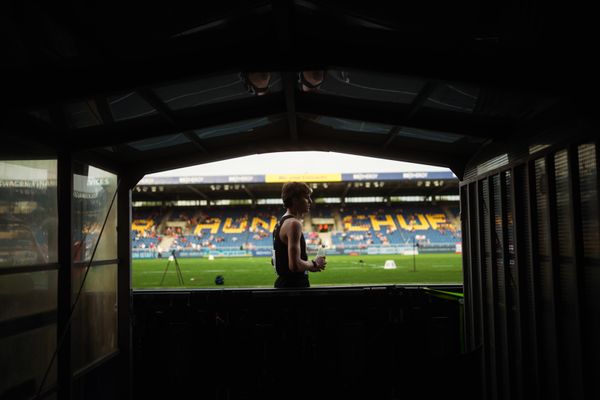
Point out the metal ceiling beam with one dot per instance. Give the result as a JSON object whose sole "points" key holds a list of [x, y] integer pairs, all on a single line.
{"points": [[186, 120], [128, 131], [196, 141], [415, 106], [395, 115], [211, 19], [316, 131], [151, 98], [391, 136], [104, 110]]}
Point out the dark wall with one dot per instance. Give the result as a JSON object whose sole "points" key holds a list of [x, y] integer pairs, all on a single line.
{"points": [[531, 252], [382, 343]]}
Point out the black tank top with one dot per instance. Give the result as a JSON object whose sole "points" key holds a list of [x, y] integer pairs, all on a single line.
{"points": [[282, 263]]}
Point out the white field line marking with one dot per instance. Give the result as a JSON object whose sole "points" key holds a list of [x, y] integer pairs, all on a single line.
{"points": [[368, 265], [183, 271]]}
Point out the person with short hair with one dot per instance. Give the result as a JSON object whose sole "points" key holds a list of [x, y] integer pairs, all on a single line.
{"points": [[289, 246]]}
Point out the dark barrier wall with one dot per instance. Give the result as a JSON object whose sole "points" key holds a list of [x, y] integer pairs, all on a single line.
{"points": [[380, 343], [531, 258]]}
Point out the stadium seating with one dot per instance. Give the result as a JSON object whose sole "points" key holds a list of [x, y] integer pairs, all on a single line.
{"points": [[323, 211], [245, 228], [367, 225], [145, 242], [143, 228]]}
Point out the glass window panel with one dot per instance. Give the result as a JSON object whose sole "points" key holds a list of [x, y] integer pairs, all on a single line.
{"points": [[29, 354], [444, 137], [93, 193], [25, 294], [94, 326], [348, 124], [159, 142], [371, 86], [82, 114], [235, 127], [128, 106], [211, 90], [28, 212], [453, 97]]}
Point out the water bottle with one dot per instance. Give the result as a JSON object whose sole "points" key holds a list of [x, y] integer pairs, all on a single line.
{"points": [[321, 251]]}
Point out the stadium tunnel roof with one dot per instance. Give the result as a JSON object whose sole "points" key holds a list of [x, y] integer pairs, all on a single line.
{"points": [[386, 185], [144, 89]]}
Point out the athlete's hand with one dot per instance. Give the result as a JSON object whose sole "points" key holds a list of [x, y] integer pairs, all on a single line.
{"points": [[321, 262]]}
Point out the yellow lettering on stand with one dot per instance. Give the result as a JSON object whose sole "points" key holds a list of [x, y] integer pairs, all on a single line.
{"points": [[227, 228], [436, 219], [413, 225], [142, 224], [214, 226], [270, 226], [348, 224], [377, 224]]}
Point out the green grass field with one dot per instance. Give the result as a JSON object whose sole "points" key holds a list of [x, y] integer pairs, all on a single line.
{"points": [[341, 270]]}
